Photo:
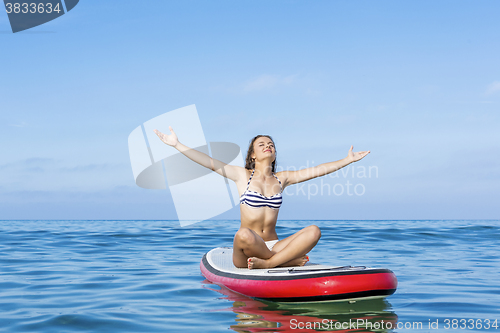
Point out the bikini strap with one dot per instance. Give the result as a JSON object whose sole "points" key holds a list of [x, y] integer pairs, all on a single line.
{"points": [[281, 187], [248, 184]]}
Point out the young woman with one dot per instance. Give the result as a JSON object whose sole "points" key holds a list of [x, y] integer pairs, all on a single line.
{"points": [[256, 243]]}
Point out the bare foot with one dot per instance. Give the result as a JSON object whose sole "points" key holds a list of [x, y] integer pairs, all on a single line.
{"points": [[255, 262], [296, 262]]}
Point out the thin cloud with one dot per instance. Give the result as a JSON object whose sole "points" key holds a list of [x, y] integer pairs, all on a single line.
{"points": [[89, 167], [22, 124], [493, 88], [29, 163], [268, 82], [273, 83]]}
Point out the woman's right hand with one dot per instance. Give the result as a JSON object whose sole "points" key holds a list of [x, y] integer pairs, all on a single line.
{"points": [[170, 140]]}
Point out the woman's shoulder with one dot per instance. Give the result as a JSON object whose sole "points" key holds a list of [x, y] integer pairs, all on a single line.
{"points": [[235, 173], [282, 175], [247, 172]]}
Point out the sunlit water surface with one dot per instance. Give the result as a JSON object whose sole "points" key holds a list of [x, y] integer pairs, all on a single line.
{"points": [[144, 276]]}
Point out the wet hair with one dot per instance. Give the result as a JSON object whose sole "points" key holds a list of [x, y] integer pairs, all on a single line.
{"points": [[250, 162]]}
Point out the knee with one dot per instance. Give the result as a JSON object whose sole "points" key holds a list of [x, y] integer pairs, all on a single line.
{"points": [[314, 231], [244, 236]]}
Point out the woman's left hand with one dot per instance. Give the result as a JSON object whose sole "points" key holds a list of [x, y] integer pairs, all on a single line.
{"points": [[354, 157]]}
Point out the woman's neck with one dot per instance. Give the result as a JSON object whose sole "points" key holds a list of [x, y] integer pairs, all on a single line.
{"points": [[264, 169]]}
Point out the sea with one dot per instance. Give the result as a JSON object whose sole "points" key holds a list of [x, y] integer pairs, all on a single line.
{"points": [[144, 276]]}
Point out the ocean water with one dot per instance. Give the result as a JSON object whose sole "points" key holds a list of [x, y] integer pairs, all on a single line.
{"points": [[144, 276]]}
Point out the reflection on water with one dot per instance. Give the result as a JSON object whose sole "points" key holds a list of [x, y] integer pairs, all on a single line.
{"points": [[340, 316]]}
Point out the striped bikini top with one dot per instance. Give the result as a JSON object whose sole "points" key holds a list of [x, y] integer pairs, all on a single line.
{"points": [[255, 199]]}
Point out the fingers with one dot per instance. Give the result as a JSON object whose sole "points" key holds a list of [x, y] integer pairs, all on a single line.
{"points": [[160, 134], [360, 154]]}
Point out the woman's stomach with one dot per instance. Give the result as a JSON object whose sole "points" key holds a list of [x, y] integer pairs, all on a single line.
{"points": [[261, 220]]}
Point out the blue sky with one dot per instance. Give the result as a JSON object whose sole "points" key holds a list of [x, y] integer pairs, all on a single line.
{"points": [[416, 83]]}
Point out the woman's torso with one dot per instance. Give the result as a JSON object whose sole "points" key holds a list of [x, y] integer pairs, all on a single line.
{"points": [[260, 199]]}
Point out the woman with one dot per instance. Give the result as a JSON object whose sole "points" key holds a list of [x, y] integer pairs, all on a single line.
{"points": [[256, 243]]}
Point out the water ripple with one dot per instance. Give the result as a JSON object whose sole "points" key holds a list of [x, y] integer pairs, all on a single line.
{"points": [[143, 276]]}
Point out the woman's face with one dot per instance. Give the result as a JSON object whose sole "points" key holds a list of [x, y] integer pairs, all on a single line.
{"points": [[263, 148]]}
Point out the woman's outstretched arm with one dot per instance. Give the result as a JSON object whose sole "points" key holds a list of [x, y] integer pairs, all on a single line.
{"points": [[294, 177], [229, 171]]}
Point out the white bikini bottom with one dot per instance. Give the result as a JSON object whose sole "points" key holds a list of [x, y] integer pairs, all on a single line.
{"points": [[270, 244]]}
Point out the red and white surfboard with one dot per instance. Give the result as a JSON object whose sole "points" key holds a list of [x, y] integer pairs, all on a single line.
{"points": [[310, 283]]}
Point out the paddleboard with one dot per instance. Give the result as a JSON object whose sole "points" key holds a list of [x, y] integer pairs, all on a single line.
{"points": [[309, 283]]}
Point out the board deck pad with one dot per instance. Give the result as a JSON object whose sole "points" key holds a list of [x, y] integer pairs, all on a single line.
{"points": [[222, 259], [308, 283]]}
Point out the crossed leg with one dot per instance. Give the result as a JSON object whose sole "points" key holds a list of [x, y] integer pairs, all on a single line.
{"points": [[250, 250]]}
